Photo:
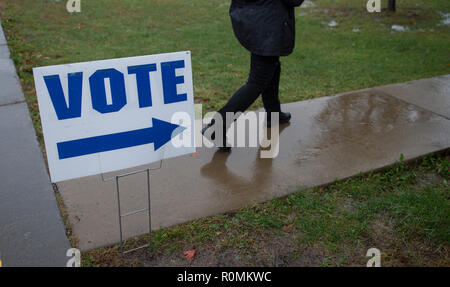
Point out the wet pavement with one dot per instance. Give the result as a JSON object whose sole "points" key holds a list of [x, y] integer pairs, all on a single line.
{"points": [[328, 138], [9, 82], [430, 94], [32, 232]]}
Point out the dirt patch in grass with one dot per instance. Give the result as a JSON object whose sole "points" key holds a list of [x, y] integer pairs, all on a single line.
{"points": [[429, 178], [279, 250], [381, 232]]}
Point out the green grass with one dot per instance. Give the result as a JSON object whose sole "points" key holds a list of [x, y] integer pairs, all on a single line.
{"points": [[398, 210], [326, 60]]}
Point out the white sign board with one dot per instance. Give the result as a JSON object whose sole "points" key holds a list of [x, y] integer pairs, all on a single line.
{"points": [[104, 116]]}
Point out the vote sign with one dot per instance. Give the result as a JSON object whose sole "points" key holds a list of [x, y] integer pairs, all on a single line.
{"points": [[108, 115]]}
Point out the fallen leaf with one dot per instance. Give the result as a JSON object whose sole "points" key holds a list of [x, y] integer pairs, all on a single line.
{"points": [[190, 254], [229, 65], [288, 228]]}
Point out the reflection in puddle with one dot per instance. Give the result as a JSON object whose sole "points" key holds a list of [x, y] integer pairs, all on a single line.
{"points": [[260, 169], [352, 117]]}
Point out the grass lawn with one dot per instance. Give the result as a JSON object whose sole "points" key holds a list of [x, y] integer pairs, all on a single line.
{"points": [[326, 60], [404, 211]]}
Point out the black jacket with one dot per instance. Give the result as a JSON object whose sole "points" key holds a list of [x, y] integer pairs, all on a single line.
{"points": [[265, 27]]}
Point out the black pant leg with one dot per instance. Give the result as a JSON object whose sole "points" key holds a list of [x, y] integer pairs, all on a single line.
{"points": [[262, 71], [270, 96]]}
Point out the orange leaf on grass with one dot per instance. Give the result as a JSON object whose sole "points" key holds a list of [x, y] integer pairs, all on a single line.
{"points": [[288, 228], [190, 254]]}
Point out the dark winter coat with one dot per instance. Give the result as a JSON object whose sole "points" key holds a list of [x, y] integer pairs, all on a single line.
{"points": [[265, 27]]}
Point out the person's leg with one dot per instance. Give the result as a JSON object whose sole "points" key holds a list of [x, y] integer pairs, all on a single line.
{"points": [[270, 94], [271, 100], [262, 71]]}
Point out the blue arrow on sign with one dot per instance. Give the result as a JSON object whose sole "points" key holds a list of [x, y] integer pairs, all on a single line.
{"points": [[159, 134]]}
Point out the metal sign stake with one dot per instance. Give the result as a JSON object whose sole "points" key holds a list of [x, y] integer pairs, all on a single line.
{"points": [[120, 215]]}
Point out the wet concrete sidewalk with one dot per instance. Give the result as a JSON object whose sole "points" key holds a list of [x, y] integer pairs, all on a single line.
{"points": [[328, 138], [31, 230]]}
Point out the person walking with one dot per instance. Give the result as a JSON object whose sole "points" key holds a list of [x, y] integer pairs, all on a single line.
{"points": [[266, 28]]}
